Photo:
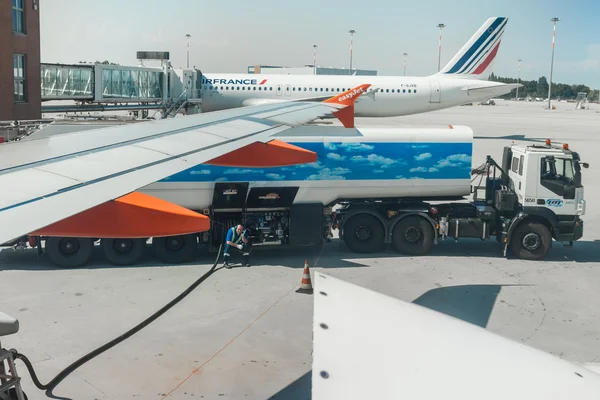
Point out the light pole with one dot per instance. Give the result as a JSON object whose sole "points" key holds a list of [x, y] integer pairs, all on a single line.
{"points": [[441, 26], [405, 54], [552, 62], [188, 36], [314, 59], [351, 32], [518, 77]]}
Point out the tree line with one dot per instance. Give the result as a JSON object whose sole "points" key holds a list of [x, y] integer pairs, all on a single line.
{"points": [[539, 88]]}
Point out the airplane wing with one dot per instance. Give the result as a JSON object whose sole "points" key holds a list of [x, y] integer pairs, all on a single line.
{"points": [[47, 180], [493, 88], [369, 345]]}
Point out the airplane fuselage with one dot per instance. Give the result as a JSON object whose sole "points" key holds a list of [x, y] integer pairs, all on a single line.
{"points": [[394, 96]]}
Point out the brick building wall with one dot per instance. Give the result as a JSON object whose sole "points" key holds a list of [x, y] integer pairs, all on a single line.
{"points": [[20, 36]]}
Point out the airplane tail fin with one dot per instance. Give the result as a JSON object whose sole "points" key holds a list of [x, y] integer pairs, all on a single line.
{"points": [[476, 57]]}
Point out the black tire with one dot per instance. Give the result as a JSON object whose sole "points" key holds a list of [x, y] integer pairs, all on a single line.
{"points": [[12, 394], [364, 233], [123, 251], [531, 241], [175, 249], [413, 236], [68, 252]]}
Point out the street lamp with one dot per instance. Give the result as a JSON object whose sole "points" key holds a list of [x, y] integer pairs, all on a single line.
{"points": [[314, 59], [188, 36], [552, 62], [441, 26], [405, 54], [351, 32], [518, 77]]}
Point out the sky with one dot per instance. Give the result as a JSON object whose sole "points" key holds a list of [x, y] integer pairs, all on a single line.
{"points": [[230, 35]]}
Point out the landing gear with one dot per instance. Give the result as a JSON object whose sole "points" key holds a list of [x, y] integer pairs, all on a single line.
{"points": [[175, 249], [364, 233], [531, 241], [67, 252], [413, 236], [123, 251]]}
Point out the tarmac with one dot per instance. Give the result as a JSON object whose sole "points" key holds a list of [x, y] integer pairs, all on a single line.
{"points": [[246, 333]]}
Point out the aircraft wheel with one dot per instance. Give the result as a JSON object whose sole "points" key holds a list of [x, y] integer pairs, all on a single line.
{"points": [[175, 249], [413, 236], [67, 252], [364, 233], [123, 251]]}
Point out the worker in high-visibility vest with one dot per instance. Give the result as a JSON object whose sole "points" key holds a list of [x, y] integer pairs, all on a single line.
{"points": [[237, 238]]}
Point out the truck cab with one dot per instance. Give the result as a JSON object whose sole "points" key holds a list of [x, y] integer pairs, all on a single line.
{"points": [[546, 181]]}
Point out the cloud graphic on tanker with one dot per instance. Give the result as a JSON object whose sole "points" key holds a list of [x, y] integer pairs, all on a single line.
{"points": [[374, 160], [356, 147], [329, 174], [275, 177], [201, 172], [233, 171], [455, 160], [335, 157], [422, 157]]}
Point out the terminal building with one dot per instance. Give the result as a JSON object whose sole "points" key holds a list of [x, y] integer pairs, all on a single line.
{"points": [[308, 69], [20, 96]]}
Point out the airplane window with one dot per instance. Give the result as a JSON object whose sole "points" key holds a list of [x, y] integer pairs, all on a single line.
{"points": [[238, 88], [321, 89], [226, 87], [327, 89], [294, 89], [403, 90], [415, 91], [305, 89], [309, 89], [271, 88], [243, 87], [254, 87], [393, 90], [408, 90], [387, 90]]}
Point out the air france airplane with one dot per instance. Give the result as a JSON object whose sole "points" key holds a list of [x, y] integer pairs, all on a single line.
{"points": [[463, 80]]}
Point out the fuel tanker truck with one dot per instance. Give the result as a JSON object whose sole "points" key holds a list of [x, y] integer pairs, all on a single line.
{"points": [[401, 187]]}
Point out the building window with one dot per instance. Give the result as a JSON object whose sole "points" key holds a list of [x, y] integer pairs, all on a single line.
{"points": [[19, 77], [18, 16]]}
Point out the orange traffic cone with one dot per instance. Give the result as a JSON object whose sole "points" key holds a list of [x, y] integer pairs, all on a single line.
{"points": [[306, 283]]}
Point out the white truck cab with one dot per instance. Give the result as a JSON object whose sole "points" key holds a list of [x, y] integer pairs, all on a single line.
{"points": [[546, 180]]}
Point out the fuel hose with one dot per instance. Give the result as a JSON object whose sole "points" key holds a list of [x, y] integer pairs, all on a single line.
{"points": [[50, 386]]}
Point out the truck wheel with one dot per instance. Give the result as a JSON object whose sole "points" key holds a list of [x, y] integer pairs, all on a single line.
{"points": [[413, 236], [175, 249], [69, 252], [122, 251], [363, 233], [531, 241]]}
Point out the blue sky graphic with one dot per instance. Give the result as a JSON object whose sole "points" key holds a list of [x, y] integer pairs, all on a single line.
{"points": [[352, 161]]}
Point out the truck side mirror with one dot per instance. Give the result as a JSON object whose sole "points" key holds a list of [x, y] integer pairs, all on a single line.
{"points": [[585, 165]]}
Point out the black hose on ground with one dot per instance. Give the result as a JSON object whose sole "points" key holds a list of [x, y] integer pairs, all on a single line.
{"points": [[49, 387]]}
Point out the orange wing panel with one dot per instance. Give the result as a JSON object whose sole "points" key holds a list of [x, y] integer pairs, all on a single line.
{"points": [[135, 215], [272, 154]]}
